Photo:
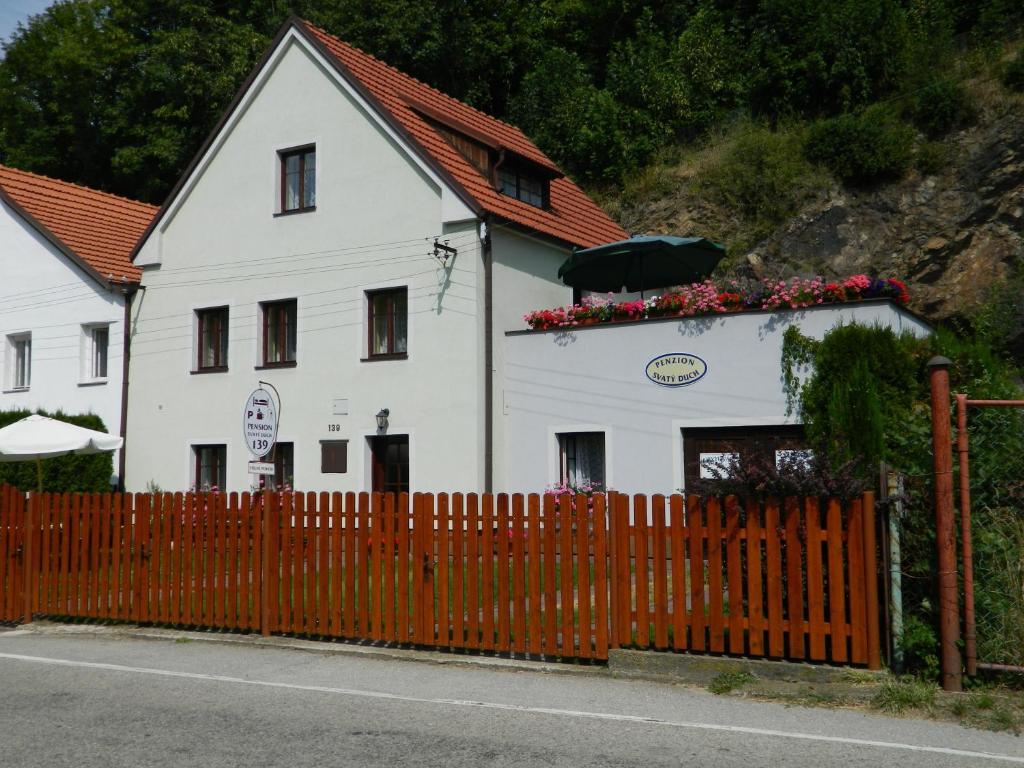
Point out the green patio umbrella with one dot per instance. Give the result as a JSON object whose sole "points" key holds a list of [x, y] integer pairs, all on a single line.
{"points": [[639, 263]]}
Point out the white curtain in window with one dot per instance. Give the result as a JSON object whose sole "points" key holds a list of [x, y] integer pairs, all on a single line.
{"points": [[588, 469]]}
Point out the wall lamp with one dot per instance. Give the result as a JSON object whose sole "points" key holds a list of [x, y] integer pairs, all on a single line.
{"points": [[382, 418]]}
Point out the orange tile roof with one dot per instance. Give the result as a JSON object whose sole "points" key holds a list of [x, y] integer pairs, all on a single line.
{"points": [[98, 228], [572, 217]]}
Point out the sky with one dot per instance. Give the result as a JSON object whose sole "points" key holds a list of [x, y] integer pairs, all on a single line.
{"points": [[13, 11]]}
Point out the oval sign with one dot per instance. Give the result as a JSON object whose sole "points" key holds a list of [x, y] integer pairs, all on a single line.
{"points": [[676, 369], [259, 423]]}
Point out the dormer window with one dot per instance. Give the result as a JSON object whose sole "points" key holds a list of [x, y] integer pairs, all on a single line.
{"points": [[517, 183]]}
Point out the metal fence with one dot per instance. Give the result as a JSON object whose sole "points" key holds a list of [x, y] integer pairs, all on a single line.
{"points": [[990, 454]]}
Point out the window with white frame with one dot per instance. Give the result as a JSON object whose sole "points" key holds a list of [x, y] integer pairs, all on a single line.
{"points": [[95, 352], [19, 356], [581, 457]]}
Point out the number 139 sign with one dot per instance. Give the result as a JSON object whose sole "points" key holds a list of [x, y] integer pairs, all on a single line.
{"points": [[259, 422]]}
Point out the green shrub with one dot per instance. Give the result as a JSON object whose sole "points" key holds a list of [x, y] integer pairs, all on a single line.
{"points": [[931, 157], [762, 175], [869, 146], [862, 384], [942, 106], [1013, 76], [920, 646], [65, 473]]}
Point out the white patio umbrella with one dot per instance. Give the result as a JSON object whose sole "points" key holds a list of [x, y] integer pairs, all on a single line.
{"points": [[36, 437]]}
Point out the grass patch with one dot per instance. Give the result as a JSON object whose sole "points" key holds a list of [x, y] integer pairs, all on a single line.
{"points": [[183, 639], [860, 677], [902, 695], [998, 709], [727, 682], [1004, 720], [983, 701]]}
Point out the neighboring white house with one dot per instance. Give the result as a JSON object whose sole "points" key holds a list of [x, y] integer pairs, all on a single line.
{"points": [[65, 273], [636, 406], [361, 242]]}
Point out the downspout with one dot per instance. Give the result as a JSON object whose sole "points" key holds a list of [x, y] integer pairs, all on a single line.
{"points": [[129, 294], [485, 238]]}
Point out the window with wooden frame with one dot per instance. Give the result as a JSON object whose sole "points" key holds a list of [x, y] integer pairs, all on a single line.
{"points": [[283, 478], [279, 333], [212, 346], [298, 180], [211, 467], [522, 185], [333, 457], [388, 323], [581, 459]]}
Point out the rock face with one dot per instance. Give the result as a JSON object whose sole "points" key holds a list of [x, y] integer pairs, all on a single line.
{"points": [[951, 236]]}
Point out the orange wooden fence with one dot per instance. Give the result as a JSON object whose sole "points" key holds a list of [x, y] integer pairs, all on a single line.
{"points": [[536, 574]]}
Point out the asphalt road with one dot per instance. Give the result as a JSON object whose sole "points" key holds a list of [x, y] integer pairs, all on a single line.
{"points": [[92, 700]]}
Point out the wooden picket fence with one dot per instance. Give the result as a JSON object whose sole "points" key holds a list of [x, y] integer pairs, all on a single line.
{"points": [[533, 575]]}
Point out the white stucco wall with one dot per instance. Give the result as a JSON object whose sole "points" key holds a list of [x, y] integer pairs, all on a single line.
{"points": [[44, 293], [222, 245], [594, 379], [525, 278]]}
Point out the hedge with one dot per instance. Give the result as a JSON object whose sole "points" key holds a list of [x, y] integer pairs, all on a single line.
{"points": [[65, 473]]}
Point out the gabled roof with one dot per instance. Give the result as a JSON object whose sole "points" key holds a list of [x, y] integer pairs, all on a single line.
{"points": [[96, 229], [572, 216]]}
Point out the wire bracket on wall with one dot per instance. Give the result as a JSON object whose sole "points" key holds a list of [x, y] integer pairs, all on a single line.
{"points": [[443, 251]]}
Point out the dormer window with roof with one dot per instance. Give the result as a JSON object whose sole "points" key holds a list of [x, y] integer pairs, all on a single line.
{"points": [[522, 185]]}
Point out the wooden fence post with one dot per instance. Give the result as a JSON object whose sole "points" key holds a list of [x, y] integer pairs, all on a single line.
{"points": [[613, 565], [27, 555], [871, 580], [268, 533]]}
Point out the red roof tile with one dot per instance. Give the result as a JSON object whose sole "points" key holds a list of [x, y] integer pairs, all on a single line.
{"points": [[572, 217], [99, 228]]}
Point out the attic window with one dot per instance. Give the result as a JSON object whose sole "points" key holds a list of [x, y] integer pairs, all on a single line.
{"points": [[522, 185], [298, 180]]}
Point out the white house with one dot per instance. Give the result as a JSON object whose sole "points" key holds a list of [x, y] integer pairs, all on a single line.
{"points": [[65, 278], [636, 406], [360, 242]]}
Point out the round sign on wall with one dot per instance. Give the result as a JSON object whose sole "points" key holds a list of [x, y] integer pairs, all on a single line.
{"points": [[676, 369], [259, 423]]}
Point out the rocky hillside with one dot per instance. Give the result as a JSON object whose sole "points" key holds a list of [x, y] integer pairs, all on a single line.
{"points": [[952, 234]]}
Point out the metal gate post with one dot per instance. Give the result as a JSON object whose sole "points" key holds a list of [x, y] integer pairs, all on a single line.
{"points": [[945, 535]]}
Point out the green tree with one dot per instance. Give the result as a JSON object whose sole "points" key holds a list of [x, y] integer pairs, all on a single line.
{"points": [[813, 58], [118, 95]]}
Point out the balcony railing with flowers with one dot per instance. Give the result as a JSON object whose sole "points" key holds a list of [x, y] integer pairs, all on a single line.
{"points": [[708, 299]]}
